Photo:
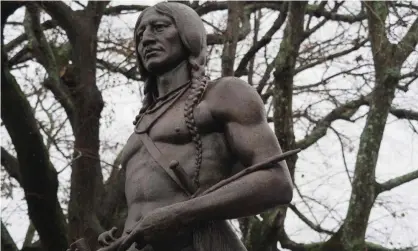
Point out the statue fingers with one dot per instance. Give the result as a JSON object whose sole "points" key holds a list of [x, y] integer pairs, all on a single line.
{"points": [[112, 233], [109, 239], [128, 241], [102, 241]]}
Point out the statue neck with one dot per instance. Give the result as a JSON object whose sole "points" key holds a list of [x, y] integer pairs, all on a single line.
{"points": [[173, 79]]}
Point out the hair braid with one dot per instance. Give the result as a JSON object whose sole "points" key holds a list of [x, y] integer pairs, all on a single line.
{"points": [[198, 87]]}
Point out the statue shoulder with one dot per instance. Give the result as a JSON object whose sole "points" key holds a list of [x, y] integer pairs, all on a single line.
{"points": [[233, 98]]}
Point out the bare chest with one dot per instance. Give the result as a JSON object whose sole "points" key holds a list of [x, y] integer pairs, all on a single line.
{"points": [[170, 126]]}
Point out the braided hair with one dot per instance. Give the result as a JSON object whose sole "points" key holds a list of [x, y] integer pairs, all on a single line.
{"points": [[193, 35]]}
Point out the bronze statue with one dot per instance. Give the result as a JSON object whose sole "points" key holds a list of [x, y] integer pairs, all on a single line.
{"points": [[201, 152]]}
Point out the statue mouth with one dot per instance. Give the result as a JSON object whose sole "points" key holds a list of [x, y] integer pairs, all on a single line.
{"points": [[151, 52]]}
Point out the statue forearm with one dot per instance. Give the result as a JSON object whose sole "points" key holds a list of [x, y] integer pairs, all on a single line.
{"points": [[249, 192], [249, 195]]}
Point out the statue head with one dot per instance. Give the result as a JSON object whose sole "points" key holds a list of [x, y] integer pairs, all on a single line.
{"points": [[188, 28], [167, 34]]}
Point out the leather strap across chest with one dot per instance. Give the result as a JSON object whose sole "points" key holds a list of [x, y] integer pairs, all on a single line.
{"points": [[161, 160]]}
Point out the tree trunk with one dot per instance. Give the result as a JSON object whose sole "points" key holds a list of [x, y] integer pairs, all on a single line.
{"points": [[86, 176]]}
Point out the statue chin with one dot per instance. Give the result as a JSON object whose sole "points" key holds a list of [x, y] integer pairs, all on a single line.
{"points": [[156, 66]]}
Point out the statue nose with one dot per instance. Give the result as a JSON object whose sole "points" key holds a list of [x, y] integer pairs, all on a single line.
{"points": [[148, 37]]}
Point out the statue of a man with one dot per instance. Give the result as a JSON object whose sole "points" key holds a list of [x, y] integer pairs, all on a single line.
{"points": [[190, 134]]}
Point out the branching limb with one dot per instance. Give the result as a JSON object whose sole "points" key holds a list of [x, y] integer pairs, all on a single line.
{"points": [[11, 164], [408, 43], [235, 11], [30, 233], [332, 56], [326, 80], [377, 13], [317, 11], [244, 30], [395, 182], [262, 42], [7, 242], [122, 9], [404, 114], [96, 8], [21, 56], [315, 227], [46, 57], [63, 14], [132, 73], [345, 111], [38, 176], [49, 24]]}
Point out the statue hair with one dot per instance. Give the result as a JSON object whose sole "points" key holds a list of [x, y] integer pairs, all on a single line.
{"points": [[193, 35]]}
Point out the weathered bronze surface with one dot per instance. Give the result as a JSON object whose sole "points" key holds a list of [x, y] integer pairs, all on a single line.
{"points": [[191, 134]]}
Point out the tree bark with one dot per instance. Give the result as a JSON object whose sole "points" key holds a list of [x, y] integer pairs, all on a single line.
{"points": [[235, 13], [86, 177], [270, 229], [387, 72], [38, 177]]}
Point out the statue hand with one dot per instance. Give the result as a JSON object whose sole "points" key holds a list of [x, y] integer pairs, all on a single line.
{"points": [[133, 236], [153, 227], [106, 238], [114, 245]]}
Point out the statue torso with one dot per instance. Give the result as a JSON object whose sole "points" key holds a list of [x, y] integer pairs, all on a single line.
{"points": [[147, 185]]}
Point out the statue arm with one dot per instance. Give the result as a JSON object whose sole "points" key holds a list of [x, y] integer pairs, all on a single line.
{"points": [[239, 107]]}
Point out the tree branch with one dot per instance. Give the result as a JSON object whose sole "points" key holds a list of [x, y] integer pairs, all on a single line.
{"points": [[7, 9], [96, 8], [244, 30], [46, 57], [63, 14], [30, 233], [11, 164], [345, 111], [313, 10], [120, 9], [315, 227], [263, 41], [21, 56], [37, 38], [326, 80], [377, 13], [287, 243], [20, 39], [230, 37], [284, 71], [332, 56], [132, 73], [7, 242], [38, 177], [318, 11], [395, 182], [404, 114], [408, 43]]}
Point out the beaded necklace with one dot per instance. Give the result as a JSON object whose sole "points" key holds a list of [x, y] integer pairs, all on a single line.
{"points": [[172, 96]]}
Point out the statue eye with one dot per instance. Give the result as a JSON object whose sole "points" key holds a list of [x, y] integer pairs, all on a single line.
{"points": [[139, 36], [159, 27]]}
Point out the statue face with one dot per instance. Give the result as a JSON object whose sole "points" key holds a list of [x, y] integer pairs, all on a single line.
{"points": [[158, 43]]}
